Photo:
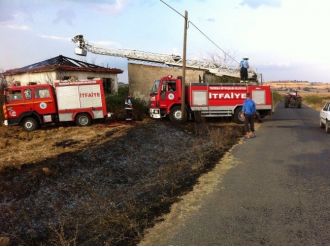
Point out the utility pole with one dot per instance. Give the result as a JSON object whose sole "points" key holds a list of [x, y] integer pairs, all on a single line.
{"points": [[184, 60]]}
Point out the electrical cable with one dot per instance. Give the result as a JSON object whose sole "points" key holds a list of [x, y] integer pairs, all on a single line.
{"points": [[172, 8], [205, 35], [213, 42]]}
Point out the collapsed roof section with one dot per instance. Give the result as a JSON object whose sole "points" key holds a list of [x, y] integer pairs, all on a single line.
{"points": [[62, 63]]}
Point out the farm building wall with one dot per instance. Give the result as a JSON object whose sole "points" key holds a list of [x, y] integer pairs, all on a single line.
{"points": [[141, 77], [51, 76]]}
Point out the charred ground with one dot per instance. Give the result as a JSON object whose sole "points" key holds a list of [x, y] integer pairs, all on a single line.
{"points": [[104, 184]]}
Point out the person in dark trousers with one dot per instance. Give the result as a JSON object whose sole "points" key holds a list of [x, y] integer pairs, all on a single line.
{"points": [[249, 110], [129, 108], [244, 66]]}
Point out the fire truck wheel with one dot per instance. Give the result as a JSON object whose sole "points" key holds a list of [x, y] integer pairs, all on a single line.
{"points": [[239, 116], [83, 119], [30, 124], [176, 115]]}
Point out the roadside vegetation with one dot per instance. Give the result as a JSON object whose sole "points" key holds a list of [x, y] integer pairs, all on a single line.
{"points": [[316, 101], [277, 97], [116, 105]]}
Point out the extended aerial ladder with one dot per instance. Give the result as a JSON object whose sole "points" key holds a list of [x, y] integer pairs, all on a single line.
{"points": [[171, 60]]}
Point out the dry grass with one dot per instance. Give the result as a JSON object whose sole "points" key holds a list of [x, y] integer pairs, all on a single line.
{"points": [[316, 101], [111, 189], [18, 147]]}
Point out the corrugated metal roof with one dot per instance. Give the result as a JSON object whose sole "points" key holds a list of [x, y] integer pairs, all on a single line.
{"points": [[62, 63]]}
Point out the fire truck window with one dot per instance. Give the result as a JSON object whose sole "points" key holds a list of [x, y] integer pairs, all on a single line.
{"points": [[15, 95], [171, 87], [27, 94], [42, 93]]}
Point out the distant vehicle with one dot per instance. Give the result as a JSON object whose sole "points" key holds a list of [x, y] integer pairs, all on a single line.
{"points": [[292, 99], [34, 105], [325, 117]]}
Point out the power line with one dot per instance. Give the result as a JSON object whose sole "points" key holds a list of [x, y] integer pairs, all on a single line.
{"points": [[172, 8], [198, 29], [213, 42]]}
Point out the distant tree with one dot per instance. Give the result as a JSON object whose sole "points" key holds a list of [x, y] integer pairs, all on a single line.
{"points": [[3, 82]]}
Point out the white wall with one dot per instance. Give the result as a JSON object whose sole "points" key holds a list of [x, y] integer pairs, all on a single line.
{"points": [[50, 77], [24, 79]]}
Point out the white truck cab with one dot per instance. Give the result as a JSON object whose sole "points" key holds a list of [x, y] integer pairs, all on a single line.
{"points": [[325, 117]]}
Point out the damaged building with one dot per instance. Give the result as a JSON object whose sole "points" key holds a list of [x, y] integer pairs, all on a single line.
{"points": [[63, 68]]}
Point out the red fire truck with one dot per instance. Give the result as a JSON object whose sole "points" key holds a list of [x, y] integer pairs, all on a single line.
{"points": [[206, 100], [34, 105]]}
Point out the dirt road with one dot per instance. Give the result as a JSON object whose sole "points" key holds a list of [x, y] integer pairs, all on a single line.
{"points": [[275, 191]]}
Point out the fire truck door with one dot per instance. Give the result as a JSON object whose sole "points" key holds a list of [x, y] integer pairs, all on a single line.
{"points": [[28, 99], [168, 93], [16, 103], [43, 102]]}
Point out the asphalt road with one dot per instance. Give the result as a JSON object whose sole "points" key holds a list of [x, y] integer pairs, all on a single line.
{"points": [[278, 193]]}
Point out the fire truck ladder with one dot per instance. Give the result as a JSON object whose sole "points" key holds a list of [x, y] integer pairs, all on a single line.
{"points": [[171, 60]]}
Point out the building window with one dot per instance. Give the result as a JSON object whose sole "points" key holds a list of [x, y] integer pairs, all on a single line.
{"points": [[66, 78]]}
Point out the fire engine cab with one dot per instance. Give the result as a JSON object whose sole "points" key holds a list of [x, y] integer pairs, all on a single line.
{"points": [[206, 100], [34, 105]]}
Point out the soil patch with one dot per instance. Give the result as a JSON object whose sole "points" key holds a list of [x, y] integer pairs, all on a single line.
{"points": [[108, 189]]}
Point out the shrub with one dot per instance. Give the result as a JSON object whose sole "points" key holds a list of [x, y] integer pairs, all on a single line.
{"points": [[313, 99], [116, 105], [316, 101], [140, 109], [277, 97]]}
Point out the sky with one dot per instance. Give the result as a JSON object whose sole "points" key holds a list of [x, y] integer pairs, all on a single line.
{"points": [[284, 39]]}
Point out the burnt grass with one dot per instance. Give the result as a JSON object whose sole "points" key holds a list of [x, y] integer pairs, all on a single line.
{"points": [[111, 193]]}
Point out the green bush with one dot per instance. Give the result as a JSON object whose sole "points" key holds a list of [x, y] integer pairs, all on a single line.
{"points": [[277, 97], [140, 109], [116, 105], [316, 101], [313, 99]]}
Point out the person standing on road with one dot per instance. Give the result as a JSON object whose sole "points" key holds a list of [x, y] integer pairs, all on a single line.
{"points": [[244, 66], [249, 110]]}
